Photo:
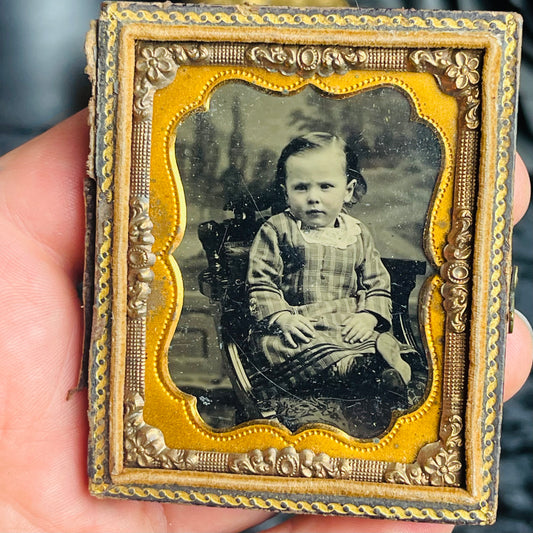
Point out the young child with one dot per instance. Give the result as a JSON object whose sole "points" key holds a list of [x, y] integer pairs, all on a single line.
{"points": [[317, 287]]}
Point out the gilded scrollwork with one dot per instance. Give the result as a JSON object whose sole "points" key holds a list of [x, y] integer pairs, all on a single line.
{"points": [[305, 61], [144, 445], [156, 67], [461, 236], [140, 258], [438, 463], [455, 304], [157, 63], [456, 270], [464, 70], [458, 73], [288, 462]]}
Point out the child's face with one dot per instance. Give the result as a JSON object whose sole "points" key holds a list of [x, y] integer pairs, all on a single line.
{"points": [[316, 185]]}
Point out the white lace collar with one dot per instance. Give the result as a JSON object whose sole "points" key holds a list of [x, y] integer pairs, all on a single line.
{"points": [[345, 232]]}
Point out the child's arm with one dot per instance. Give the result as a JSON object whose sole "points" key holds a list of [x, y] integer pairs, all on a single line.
{"points": [[264, 287], [373, 296], [265, 272], [374, 290]]}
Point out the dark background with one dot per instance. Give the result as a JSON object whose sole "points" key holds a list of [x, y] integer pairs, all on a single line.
{"points": [[43, 82]]}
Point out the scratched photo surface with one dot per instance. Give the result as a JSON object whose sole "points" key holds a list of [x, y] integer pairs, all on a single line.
{"points": [[227, 159]]}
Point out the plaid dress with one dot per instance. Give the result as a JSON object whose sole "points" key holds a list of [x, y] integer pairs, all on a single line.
{"points": [[325, 274]]}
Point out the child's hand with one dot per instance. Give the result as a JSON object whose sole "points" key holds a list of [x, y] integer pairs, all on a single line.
{"points": [[295, 328], [359, 327]]}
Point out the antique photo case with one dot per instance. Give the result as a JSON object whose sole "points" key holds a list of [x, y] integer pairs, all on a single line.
{"points": [[298, 266]]}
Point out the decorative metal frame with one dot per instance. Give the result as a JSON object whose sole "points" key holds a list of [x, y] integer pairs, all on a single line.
{"points": [[151, 43]]}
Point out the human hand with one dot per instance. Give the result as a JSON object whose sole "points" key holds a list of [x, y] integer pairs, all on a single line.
{"points": [[295, 328], [43, 444], [359, 327]]}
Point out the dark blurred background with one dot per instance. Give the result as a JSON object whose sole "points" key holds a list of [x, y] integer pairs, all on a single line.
{"points": [[43, 82]]}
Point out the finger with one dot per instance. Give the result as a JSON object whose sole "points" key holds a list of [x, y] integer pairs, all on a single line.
{"points": [[519, 348], [353, 335], [346, 328], [349, 335], [365, 336], [309, 324], [344, 524], [290, 341], [306, 329], [301, 335], [346, 332], [522, 190], [182, 518], [518, 356], [41, 190]]}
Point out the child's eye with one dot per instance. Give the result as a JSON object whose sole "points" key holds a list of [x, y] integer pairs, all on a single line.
{"points": [[300, 187], [326, 186]]}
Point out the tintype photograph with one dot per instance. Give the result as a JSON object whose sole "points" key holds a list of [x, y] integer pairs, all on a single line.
{"points": [[303, 257], [298, 265]]}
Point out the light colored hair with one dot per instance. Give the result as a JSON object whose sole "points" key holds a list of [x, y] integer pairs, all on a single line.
{"points": [[313, 141]]}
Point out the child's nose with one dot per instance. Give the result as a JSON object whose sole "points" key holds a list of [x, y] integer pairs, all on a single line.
{"points": [[312, 196]]}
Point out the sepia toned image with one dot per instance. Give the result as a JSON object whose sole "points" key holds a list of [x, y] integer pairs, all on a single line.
{"points": [[238, 364]]}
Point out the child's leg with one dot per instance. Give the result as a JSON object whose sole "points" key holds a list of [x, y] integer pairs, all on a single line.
{"points": [[359, 376], [389, 348], [344, 367]]}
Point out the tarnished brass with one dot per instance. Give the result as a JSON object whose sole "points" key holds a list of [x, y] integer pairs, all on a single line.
{"points": [[155, 66]]}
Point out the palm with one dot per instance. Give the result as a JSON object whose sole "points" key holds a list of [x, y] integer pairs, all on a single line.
{"points": [[43, 481]]}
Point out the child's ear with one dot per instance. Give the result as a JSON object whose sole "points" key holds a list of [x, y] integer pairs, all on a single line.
{"points": [[350, 186]]}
